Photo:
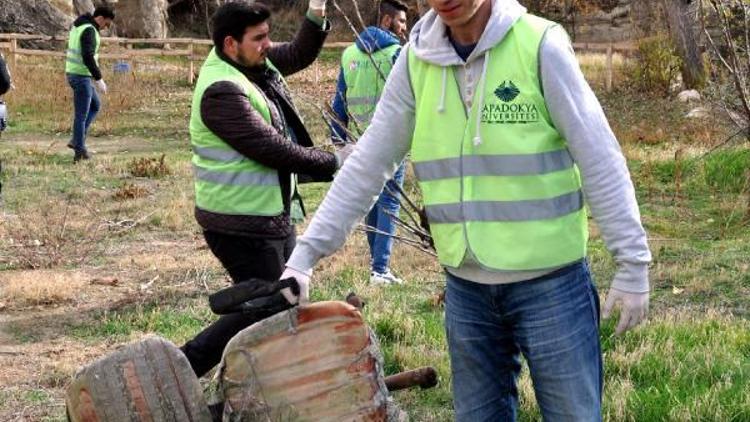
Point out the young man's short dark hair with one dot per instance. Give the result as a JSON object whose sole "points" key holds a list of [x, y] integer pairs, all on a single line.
{"points": [[391, 7], [104, 12], [231, 19]]}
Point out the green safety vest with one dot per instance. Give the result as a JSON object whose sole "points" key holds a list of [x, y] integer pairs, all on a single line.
{"points": [[364, 83], [227, 182], [514, 200], [73, 57]]}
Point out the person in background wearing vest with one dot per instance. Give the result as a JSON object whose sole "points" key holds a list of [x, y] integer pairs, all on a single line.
{"points": [[507, 139], [249, 143], [82, 71], [364, 69], [5, 85], [5, 82]]}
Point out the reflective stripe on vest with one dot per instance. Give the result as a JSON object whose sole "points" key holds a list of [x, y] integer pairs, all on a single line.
{"points": [[227, 182], [365, 78], [73, 58], [358, 101], [514, 199], [218, 154], [527, 210], [494, 165], [236, 178]]}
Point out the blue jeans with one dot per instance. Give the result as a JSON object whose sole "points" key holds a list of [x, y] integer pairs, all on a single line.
{"points": [[552, 320], [381, 244], [86, 105]]}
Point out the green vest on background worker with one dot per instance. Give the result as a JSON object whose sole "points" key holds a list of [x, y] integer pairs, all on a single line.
{"points": [[365, 66], [84, 75], [506, 136]]}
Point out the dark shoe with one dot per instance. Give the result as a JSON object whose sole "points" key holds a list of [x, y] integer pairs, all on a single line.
{"points": [[81, 155], [70, 145]]}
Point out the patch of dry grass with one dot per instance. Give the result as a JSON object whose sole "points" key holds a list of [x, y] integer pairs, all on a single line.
{"points": [[42, 99], [52, 234], [42, 287], [594, 67], [130, 191], [149, 167]]}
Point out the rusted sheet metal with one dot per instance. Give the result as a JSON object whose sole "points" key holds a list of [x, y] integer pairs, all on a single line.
{"points": [[145, 381], [313, 363]]}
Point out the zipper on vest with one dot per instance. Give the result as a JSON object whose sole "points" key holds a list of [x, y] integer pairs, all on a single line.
{"points": [[461, 166]]}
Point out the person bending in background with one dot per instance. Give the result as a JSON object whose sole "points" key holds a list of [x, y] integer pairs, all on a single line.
{"points": [[249, 143]]}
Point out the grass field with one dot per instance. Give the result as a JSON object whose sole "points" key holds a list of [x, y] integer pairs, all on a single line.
{"points": [[98, 254]]}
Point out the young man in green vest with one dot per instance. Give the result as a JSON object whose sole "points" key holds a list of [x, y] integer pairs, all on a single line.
{"points": [[365, 65], [249, 144], [507, 139], [83, 74]]}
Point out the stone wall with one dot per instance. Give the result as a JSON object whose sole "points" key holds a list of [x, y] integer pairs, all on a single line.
{"points": [[33, 17], [626, 20], [141, 18], [135, 18]]}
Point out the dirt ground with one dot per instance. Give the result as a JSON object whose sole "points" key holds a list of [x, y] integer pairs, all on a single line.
{"points": [[38, 354]]}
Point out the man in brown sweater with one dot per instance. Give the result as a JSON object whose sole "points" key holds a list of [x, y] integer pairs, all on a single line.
{"points": [[249, 145]]}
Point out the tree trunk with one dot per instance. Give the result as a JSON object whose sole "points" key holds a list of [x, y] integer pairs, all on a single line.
{"points": [[680, 21]]}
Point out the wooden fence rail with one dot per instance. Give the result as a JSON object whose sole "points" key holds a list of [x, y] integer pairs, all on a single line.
{"points": [[9, 43]]}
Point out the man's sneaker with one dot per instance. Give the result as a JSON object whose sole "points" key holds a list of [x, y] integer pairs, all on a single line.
{"points": [[70, 145], [384, 278]]}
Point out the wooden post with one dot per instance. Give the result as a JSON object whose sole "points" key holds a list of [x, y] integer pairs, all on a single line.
{"points": [[191, 65], [13, 55], [610, 69]]}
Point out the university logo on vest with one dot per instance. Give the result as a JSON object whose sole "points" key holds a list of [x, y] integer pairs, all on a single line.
{"points": [[503, 109]]}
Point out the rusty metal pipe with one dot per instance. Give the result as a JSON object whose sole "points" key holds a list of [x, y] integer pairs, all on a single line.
{"points": [[425, 377]]}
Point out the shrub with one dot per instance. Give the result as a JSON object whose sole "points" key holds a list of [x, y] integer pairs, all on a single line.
{"points": [[149, 167], [130, 191], [657, 66]]}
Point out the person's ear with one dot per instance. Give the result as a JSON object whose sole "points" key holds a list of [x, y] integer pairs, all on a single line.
{"points": [[230, 45], [386, 21]]}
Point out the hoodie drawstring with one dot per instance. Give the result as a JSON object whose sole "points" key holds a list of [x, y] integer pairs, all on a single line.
{"points": [[483, 83], [441, 107]]}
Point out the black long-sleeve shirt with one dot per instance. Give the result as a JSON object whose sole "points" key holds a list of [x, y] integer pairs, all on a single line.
{"points": [[4, 77]]}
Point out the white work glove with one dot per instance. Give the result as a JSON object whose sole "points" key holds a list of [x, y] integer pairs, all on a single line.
{"points": [[101, 86], [342, 153], [318, 5], [633, 308], [303, 280]]}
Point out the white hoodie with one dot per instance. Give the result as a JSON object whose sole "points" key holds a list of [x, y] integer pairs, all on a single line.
{"points": [[575, 112]]}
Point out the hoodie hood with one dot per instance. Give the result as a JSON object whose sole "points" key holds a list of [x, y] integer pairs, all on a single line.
{"points": [[374, 39], [429, 41], [429, 37], [84, 19]]}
